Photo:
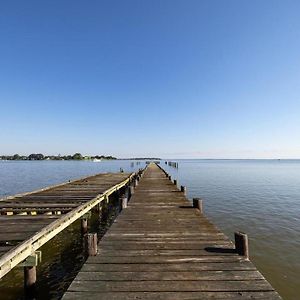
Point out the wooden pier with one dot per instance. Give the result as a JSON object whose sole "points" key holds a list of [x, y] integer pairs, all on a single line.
{"points": [[29, 220], [163, 247]]}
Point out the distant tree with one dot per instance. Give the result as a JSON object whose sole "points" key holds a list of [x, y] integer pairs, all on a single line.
{"points": [[16, 157], [77, 156], [38, 156]]}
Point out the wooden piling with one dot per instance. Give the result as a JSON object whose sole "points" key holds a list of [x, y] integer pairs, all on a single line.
{"points": [[91, 243], [84, 225], [131, 190], [183, 189], [29, 280], [241, 244], [198, 203], [124, 201], [175, 182]]}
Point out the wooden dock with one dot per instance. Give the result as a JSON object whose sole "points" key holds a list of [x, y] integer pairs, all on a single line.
{"points": [[29, 220], [160, 247]]}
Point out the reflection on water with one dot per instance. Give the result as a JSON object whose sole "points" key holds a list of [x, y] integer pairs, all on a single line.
{"points": [[260, 197]]}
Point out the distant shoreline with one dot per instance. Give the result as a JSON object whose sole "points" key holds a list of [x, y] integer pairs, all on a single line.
{"points": [[40, 156]]}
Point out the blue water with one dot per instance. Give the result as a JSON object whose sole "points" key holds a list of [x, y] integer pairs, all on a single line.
{"points": [[24, 176], [259, 197]]}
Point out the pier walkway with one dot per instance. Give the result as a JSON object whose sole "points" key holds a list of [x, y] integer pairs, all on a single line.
{"points": [[160, 247], [29, 220]]}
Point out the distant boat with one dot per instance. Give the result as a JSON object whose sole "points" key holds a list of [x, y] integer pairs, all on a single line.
{"points": [[97, 160]]}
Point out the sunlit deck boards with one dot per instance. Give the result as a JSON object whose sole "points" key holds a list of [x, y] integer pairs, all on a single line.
{"points": [[161, 248], [29, 220]]}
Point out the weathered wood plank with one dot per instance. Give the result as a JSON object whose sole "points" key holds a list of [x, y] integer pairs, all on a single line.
{"points": [[154, 276], [90, 266], [170, 295], [167, 285]]}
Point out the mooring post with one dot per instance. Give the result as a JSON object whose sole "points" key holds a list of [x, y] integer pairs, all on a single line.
{"points": [[170, 178], [124, 200], [91, 243], [241, 244], [29, 280], [197, 203], [84, 225], [131, 190], [29, 265], [175, 182], [84, 222], [183, 189]]}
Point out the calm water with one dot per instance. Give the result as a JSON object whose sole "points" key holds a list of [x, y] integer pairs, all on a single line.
{"points": [[260, 197]]}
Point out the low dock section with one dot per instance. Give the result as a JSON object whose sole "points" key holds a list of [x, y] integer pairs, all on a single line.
{"points": [[29, 220], [162, 247]]}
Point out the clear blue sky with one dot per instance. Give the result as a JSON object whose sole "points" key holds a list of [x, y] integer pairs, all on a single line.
{"points": [[167, 78]]}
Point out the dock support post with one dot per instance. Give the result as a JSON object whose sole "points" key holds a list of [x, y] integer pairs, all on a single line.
{"points": [[170, 178], [175, 181], [241, 244], [124, 200], [198, 203], [29, 280], [84, 225], [84, 222], [29, 265], [183, 189], [91, 243], [131, 190]]}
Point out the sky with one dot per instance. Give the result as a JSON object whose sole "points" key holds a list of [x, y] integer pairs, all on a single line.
{"points": [[163, 78]]}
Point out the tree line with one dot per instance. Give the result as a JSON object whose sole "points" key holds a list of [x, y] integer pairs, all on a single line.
{"points": [[39, 156]]}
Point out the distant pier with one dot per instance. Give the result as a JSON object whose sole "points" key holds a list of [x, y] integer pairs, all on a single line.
{"points": [[29, 220]]}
